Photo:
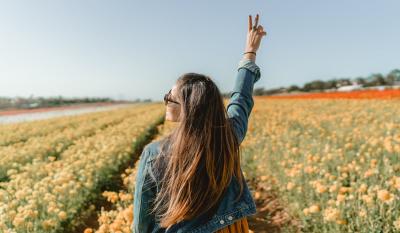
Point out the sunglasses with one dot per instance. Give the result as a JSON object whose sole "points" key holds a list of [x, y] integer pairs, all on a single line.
{"points": [[167, 98]]}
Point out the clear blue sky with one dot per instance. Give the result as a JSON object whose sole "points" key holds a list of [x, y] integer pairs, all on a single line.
{"points": [[137, 49]]}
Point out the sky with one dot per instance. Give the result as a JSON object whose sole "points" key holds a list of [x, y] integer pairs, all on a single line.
{"points": [[137, 49]]}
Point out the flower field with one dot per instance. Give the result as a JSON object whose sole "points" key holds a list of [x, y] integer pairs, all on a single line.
{"points": [[45, 139], [334, 164], [46, 190], [120, 217]]}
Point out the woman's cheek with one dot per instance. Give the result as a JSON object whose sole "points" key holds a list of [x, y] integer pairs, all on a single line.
{"points": [[167, 114], [176, 114], [170, 114]]}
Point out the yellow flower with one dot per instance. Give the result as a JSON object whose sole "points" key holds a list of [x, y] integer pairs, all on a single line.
{"points": [[363, 188], [62, 215], [341, 197], [367, 199], [385, 196], [331, 202], [290, 186], [111, 196], [341, 222], [369, 172], [314, 209], [103, 219], [18, 221], [125, 196], [395, 182], [88, 230], [116, 225], [332, 188], [306, 211], [331, 214], [343, 190], [374, 162], [397, 224], [48, 224], [321, 188], [128, 214]]}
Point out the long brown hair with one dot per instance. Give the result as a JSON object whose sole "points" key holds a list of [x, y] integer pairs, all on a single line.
{"points": [[200, 156]]}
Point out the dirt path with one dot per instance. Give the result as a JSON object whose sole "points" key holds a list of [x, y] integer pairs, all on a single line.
{"points": [[271, 215]]}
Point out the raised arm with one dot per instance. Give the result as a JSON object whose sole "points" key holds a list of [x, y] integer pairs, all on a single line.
{"points": [[241, 100]]}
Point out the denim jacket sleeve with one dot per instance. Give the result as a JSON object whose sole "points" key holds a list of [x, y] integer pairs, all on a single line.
{"points": [[241, 100], [145, 191]]}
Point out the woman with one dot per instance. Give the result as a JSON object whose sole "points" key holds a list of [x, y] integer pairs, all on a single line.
{"points": [[191, 181]]}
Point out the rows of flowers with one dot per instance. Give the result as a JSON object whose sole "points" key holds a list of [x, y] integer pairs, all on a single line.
{"points": [[335, 164], [120, 217], [19, 132], [52, 144], [47, 195]]}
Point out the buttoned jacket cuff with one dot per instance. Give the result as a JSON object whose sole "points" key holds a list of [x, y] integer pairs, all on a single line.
{"points": [[250, 65]]}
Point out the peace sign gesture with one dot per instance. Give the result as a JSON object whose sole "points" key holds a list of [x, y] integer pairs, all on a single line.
{"points": [[254, 35]]}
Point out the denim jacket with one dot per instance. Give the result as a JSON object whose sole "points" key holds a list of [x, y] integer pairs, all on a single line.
{"points": [[146, 187]]}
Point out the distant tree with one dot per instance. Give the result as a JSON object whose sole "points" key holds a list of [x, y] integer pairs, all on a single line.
{"points": [[360, 81], [380, 79], [393, 77], [313, 85], [293, 88], [343, 82], [318, 85], [330, 84], [306, 87], [376, 79]]}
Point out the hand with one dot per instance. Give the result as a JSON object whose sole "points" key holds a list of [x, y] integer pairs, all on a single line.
{"points": [[254, 36]]}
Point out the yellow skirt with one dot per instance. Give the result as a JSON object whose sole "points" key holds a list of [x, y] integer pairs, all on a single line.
{"points": [[240, 226]]}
